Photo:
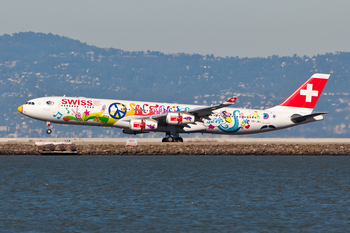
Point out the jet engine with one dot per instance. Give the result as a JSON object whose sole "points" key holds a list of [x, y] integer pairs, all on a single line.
{"points": [[179, 118], [143, 125]]}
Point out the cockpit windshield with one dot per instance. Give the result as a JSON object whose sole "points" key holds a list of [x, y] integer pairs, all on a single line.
{"points": [[30, 103]]}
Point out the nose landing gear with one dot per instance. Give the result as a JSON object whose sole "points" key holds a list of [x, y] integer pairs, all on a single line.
{"points": [[48, 124]]}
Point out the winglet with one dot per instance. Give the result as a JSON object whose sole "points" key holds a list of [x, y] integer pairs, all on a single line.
{"points": [[231, 100]]}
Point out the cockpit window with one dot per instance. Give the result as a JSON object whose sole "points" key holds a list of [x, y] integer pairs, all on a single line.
{"points": [[30, 103]]}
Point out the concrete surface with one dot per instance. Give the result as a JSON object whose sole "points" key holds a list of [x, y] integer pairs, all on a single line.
{"points": [[200, 140]]}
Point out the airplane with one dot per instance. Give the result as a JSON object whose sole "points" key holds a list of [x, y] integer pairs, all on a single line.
{"points": [[137, 117]]}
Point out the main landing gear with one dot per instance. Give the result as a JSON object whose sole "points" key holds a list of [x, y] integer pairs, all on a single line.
{"points": [[48, 124], [172, 138]]}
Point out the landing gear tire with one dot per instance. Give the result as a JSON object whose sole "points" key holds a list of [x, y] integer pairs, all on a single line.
{"points": [[179, 140], [170, 139], [49, 131]]}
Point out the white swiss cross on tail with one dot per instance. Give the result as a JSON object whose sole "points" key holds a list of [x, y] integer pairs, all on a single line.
{"points": [[309, 92], [305, 97]]}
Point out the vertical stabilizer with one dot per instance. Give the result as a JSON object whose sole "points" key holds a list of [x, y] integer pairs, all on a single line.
{"points": [[304, 99]]}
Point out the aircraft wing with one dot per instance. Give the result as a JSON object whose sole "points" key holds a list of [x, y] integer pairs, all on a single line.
{"points": [[206, 111], [202, 112]]}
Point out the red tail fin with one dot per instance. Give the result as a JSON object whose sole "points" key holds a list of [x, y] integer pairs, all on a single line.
{"points": [[306, 95]]}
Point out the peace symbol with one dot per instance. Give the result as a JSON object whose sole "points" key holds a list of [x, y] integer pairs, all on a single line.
{"points": [[117, 110]]}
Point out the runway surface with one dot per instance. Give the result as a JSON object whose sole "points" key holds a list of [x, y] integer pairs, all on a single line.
{"points": [[186, 140]]}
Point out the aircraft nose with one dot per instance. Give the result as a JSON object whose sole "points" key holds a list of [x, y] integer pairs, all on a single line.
{"points": [[20, 109]]}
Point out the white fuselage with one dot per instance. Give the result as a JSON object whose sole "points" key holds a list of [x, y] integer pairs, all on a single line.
{"points": [[118, 113]]}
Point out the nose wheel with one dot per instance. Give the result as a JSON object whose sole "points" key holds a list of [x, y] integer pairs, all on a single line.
{"points": [[48, 124]]}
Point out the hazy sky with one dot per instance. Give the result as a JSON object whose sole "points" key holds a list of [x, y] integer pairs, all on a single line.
{"points": [[224, 28]]}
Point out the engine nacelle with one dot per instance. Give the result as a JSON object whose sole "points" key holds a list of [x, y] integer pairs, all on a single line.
{"points": [[179, 118], [143, 125]]}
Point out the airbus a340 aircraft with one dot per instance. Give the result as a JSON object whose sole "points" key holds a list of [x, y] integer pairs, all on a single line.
{"points": [[135, 117]]}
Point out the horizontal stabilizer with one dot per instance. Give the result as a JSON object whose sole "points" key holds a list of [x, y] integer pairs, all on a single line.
{"points": [[296, 118]]}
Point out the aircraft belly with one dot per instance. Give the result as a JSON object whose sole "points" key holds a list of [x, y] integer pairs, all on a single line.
{"points": [[122, 124], [192, 128], [42, 114]]}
